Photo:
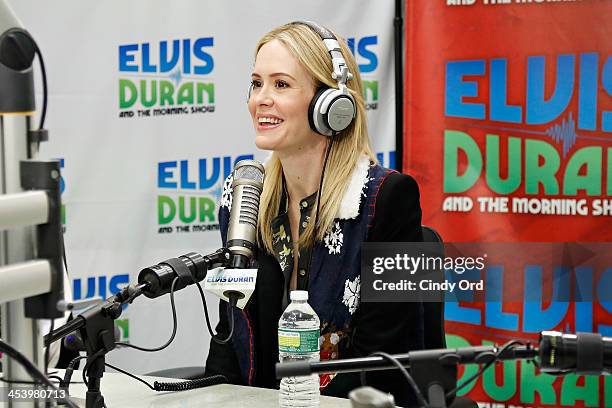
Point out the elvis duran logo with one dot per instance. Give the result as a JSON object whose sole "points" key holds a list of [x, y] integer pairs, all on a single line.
{"points": [[367, 60], [166, 78], [549, 148], [190, 192]]}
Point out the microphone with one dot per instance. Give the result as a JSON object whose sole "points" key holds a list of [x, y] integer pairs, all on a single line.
{"points": [[157, 280], [236, 285], [580, 353], [248, 177]]}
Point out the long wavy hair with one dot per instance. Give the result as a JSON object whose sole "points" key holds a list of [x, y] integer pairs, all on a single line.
{"points": [[350, 144]]}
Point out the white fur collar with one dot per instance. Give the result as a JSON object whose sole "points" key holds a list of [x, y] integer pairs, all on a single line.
{"points": [[349, 207]]}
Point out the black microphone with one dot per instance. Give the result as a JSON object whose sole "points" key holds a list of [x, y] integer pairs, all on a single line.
{"points": [[157, 280], [247, 184], [580, 353]]}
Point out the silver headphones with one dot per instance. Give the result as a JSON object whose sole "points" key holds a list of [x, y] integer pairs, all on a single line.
{"points": [[331, 110]]}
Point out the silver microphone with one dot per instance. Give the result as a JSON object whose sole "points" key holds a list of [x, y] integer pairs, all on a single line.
{"points": [[241, 235]]}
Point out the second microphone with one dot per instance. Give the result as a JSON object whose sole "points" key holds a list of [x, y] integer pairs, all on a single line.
{"points": [[247, 185]]}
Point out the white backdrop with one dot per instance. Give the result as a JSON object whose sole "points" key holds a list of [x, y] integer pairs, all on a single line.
{"points": [[124, 175]]}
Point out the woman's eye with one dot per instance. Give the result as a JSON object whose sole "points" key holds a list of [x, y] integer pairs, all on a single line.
{"points": [[281, 84], [256, 83]]}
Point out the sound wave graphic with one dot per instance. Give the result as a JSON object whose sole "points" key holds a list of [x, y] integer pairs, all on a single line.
{"points": [[565, 133], [176, 76]]}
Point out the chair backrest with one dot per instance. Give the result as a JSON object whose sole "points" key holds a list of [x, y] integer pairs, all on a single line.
{"points": [[433, 312]]}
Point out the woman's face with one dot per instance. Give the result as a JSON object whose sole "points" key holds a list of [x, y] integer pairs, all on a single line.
{"points": [[279, 101]]}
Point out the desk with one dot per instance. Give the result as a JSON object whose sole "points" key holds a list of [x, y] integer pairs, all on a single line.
{"points": [[121, 391]]}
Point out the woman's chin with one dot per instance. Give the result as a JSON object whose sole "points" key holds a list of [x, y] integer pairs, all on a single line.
{"points": [[266, 142]]}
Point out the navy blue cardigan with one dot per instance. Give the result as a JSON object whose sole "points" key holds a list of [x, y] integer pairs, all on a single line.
{"points": [[380, 205]]}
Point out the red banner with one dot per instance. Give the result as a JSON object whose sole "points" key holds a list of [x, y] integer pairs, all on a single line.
{"points": [[508, 112]]}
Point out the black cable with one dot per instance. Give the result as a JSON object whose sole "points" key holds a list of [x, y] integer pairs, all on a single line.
{"points": [[64, 253], [51, 327], [232, 302], [31, 369], [130, 375], [190, 384], [65, 383], [176, 386], [55, 377], [506, 346], [88, 364], [18, 382], [407, 375], [175, 323], [43, 114], [205, 306], [316, 217]]}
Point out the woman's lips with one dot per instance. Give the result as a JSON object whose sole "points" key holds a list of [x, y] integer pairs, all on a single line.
{"points": [[267, 126]]}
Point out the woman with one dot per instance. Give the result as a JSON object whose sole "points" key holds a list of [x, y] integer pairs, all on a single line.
{"points": [[360, 201]]}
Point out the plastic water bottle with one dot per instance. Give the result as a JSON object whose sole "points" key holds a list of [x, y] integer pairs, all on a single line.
{"points": [[298, 340]]}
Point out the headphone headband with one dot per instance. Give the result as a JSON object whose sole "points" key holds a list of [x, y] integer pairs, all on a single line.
{"points": [[323, 32], [341, 73]]}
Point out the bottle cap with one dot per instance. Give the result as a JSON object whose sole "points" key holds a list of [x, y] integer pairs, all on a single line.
{"points": [[298, 295]]}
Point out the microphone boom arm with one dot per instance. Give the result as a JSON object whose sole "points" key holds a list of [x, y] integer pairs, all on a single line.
{"points": [[96, 324]]}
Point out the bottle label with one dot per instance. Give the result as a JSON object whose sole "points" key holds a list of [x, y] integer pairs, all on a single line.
{"points": [[298, 341]]}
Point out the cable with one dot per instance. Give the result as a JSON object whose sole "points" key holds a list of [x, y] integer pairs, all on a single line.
{"points": [[65, 383], [32, 370], [190, 384], [55, 377], [506, 346], [316, 217], [51, 327], [18, 382], [176, 386], [214, 336], [130, 375], [175, 323], [43, 114], [407, 375], [63, 243], [90, 361]]}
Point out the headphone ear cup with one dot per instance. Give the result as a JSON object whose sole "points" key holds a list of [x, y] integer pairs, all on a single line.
{"points": [[340, 109], [315, 118]]}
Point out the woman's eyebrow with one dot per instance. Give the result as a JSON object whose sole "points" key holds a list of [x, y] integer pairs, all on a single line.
{"points": [[275, 74]]}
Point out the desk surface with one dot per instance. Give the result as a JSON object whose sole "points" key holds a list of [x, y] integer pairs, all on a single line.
{"points": [[122, 391]]}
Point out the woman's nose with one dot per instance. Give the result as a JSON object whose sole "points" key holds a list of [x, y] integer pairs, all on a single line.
{"points": [[263, 96]]}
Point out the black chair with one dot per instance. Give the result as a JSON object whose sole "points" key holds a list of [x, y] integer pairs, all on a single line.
{"points": [[433, 312]]}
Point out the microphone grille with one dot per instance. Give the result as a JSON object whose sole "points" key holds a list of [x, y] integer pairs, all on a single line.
{"points": [[250, 170], [249, 174], [249, 206]]}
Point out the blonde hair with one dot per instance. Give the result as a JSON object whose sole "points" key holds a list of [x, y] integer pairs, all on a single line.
{"points": [[350, 144]]}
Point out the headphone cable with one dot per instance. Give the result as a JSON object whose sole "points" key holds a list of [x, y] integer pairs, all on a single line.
{"points": [[316, 217]]}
